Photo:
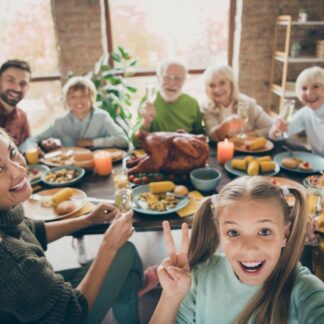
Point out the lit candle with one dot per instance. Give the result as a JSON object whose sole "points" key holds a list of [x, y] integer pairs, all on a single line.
{"points": [[103, 163], [225, 151]]}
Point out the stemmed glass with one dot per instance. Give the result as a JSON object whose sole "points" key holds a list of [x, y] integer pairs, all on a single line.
{"points": [[150, 92], [287, 111], [243, 112]]}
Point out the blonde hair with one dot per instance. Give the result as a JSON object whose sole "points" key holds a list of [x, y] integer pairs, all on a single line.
{"points": [[80, 83], [225, 71], [271, 303], [166, 63], [313, 74]]}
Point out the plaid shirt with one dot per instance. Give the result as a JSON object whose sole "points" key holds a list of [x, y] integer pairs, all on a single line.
{"points": [[16, 124]]}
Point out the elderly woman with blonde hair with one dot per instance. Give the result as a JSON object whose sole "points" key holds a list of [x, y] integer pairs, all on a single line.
{"points": [[310, 118], [84, 125], [220, 111]]}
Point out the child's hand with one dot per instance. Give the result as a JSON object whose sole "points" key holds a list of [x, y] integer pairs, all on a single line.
{"points": [[174, 272], [102, 213], [51, 144]]}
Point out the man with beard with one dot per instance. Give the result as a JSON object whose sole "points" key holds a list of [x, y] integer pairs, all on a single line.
{"points": [[14, 84], [172, 110]]}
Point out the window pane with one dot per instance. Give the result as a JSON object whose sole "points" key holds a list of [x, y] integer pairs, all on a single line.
{"points": [[27, 33], [195, 31]]}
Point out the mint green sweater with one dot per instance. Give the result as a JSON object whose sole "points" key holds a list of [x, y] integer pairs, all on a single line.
{"points": [[184, 113], [30, 290], [217, 296]]}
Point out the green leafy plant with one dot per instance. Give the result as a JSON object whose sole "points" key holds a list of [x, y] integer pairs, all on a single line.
{"points": [[114, 92]]}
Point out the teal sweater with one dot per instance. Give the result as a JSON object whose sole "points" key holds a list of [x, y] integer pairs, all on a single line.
{"points": [[30, 290], [217, 296], [184, 113]]}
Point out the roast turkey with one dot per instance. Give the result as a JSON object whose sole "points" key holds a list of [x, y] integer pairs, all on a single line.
{"points": [[171, 152]]}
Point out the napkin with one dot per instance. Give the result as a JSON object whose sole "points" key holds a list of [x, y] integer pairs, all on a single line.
{"points": [[195, 200]]}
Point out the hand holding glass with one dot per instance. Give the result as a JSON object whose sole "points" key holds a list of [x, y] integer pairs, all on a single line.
{"points": [[286, 112], [150, 92]]}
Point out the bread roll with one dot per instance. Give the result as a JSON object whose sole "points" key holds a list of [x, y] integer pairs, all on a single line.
{"points": [[181, 191], [253, 168], [65, 207], [239, 164], [62, 195], [290, 163]]}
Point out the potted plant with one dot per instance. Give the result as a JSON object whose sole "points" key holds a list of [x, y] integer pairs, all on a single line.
{"points": [[114, 92]]}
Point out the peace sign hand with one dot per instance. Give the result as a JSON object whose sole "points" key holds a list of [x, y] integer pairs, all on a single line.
{"points": [[174, 272]]}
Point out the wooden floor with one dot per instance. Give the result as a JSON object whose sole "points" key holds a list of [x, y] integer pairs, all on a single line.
{"points": [[150, 246]]}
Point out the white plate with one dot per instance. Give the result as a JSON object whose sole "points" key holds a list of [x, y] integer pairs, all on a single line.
{"points": [[145, 188]]}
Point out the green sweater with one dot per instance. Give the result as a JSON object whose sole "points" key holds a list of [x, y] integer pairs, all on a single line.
{"points": [[30, 290], [217, 296], [184, 113]]}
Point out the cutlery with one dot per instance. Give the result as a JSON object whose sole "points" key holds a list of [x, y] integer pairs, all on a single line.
{"points": [[291, 153], [90, 199]]}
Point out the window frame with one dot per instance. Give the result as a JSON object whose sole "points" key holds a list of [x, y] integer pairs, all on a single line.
{"points": [[152, 72]]}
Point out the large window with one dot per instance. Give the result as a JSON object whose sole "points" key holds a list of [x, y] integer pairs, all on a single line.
{"points": [[195, 31], [27, 33]]}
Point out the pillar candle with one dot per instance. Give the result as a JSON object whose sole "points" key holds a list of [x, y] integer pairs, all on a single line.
{"points": [[225, 151], [103, 163]]}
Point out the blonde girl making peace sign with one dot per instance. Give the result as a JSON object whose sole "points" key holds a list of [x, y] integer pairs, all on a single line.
{"points": [[258, 279]]}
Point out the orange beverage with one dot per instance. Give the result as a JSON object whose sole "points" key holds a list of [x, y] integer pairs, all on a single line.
{"points": [[32, 155], [102, 163]]}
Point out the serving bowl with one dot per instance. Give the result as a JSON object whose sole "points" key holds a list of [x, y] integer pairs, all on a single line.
{"points": [[63, 176], [205, 179]]}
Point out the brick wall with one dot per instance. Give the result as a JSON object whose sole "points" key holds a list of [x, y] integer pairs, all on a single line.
{"points": [[78, 31], [258, 23]]}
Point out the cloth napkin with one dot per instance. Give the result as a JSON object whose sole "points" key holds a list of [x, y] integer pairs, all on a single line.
{"points": [[195, 200]]}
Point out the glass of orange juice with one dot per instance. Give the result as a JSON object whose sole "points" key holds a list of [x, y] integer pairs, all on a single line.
{"points": [[32, 155]]}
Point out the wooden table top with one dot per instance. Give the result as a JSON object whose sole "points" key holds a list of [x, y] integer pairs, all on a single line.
{"points": [[102, 187]]}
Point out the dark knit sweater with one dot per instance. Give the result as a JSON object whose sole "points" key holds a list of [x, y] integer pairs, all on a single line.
{"points": [[30, 290]]}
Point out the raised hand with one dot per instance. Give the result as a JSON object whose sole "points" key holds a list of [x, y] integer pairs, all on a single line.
{"points": [[174, 272], [119, 231], [147, 112]]}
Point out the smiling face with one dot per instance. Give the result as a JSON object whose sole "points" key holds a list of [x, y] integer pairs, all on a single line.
{"points": [[312, 94], [14, 84], [79, 102], [15, 188], [171, 82], [219, 90], [252, 235]]}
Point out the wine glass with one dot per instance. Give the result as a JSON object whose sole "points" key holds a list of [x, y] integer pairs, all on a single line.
{"points": [[243, 112], [150, 92], [287, 111], [124, 199]]}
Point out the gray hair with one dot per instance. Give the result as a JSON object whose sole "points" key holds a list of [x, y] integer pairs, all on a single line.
{"points": [[226, 72], [80, 83], [166, 63], [309, 75]]}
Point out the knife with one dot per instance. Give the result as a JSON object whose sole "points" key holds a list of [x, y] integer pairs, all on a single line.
{"points": [[38, 197]]}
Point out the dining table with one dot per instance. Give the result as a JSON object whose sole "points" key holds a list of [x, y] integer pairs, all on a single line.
{"points": [[102, 187]]}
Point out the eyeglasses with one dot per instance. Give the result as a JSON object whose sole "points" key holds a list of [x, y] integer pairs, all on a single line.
{"points": [[168, 78]]}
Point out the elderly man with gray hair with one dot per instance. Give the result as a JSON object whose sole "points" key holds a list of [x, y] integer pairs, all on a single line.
{"points": [[172, 109]]}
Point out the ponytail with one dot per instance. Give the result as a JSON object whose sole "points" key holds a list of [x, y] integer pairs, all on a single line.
{"points": [[204, 238]]}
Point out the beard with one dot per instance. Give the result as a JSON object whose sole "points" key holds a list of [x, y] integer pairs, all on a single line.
{"points": [[11, 102], [170, 97]]}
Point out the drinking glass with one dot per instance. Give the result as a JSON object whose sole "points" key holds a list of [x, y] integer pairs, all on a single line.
{"points": [[124, 199], [150, 91], [287, 111], [120, 178], [243, 112]]}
